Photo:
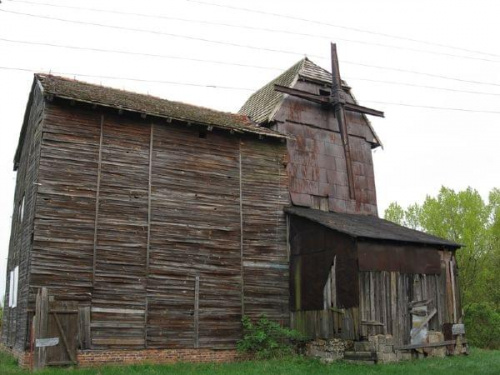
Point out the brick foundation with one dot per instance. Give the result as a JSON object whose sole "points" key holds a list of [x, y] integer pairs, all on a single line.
{"points": [[88, 358], [91, 358], [23, 358]]}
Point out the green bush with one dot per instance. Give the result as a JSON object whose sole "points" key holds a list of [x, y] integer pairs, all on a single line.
{"points": [[267, 339], [482, 321]]}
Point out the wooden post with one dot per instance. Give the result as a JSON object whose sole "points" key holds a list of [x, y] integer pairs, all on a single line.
{"points": [[196, 311], [148, 241], [242, 281], [42, 314]]}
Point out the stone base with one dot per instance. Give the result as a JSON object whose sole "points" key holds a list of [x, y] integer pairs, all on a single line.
{"points": [[328, 350]]}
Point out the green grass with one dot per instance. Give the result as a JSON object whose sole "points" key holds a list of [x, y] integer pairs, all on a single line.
{"points": [[482, 362]]}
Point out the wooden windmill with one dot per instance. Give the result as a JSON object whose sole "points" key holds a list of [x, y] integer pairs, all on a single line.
{"points": [[337, 102]]}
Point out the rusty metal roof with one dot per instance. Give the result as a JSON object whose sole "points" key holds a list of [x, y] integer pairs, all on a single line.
{"points": [[150, 105], [368, 227]]}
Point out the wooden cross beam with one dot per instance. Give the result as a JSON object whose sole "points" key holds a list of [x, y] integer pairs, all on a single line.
{"points": [[337, 102]]}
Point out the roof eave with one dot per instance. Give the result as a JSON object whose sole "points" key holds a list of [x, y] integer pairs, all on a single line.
{"points": [[176, 118]]}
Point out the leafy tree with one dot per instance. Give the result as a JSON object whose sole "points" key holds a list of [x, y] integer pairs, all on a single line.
{"points": [[464, 217]]}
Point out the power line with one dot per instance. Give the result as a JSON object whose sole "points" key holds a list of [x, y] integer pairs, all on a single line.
{"points": [[371, 32], [433, 107], [233, 64], [206, 40], [204, 22], [136, 54], [130, 79], [251, 47], [422, 86], [240, 88], [422, 73]]}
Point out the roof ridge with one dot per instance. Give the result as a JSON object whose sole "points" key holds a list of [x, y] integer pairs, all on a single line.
{"points": [[85, 92], [67, 79]]}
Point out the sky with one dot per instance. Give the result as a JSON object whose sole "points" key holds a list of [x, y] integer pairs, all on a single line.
{"points": [[410, 59]]}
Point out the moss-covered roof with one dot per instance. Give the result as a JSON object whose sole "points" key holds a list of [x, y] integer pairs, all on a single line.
{"points": [[150, 105]]}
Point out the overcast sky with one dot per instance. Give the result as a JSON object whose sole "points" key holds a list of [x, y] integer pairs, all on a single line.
{"points": [[424, 148]]}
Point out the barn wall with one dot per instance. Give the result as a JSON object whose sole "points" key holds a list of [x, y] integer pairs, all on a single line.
{"points": [[386, 296], [158, 229], [313, 250], [15, 320], [317, 168], [264, 192]]}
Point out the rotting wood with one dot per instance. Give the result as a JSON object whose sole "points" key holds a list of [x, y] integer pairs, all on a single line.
{"points": [[428, 345]]}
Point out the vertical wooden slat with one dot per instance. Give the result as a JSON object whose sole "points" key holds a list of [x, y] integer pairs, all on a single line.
{"points": [[148, 240], [196, 314], [242, 280], [99, 163], [453, 293]]}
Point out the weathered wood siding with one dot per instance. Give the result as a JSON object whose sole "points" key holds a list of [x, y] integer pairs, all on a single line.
{"points": [[385, 299], [15, 320], [314, 249], [264, 193], [159, 228], [317, 168]]}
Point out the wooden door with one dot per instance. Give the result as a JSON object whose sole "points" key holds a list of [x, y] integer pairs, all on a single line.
{"points": [[55, 332]]}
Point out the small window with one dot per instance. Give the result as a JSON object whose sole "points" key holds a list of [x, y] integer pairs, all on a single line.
{"points": [[21, 211], [324, 92], [14, 278]]}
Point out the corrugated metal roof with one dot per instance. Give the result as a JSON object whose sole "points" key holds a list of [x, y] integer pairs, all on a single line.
{"points": [[129, 101], [370, 227]]}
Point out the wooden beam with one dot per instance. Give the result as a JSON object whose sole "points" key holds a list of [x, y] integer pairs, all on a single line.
{"points": [[424, 322], [148, 240], [196, 311], [428, 345], [63, 337], [303, 94], [360, 109], [98, 187]]}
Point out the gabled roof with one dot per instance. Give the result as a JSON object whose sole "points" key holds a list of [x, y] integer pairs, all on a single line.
{"points": [[368, 227], [263, 105], [150, 105]]}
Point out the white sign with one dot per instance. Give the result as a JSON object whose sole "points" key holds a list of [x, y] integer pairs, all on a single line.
{"points": [[458, 329], [52, 341]]}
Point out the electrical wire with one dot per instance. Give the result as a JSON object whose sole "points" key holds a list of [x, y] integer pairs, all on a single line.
{"points": [[234, 64], [254, 48], [129, 79], [371, 32], [253, 28], [243, 89]]}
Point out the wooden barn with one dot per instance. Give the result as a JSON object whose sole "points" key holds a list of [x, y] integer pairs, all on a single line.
{"points": [[144, 229]]}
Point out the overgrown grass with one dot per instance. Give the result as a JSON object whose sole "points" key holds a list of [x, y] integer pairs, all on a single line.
{"points": [[484, 362]]}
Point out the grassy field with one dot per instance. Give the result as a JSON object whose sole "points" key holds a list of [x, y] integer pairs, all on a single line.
{"points": [[482, 362]]}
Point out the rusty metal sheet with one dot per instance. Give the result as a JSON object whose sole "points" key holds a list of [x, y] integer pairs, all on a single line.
{"points": [[313, 248], [384, 256]]}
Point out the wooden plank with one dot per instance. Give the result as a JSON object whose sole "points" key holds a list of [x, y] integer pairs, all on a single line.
{"points": [[424, 322], [71, 355], [453, 292], [148, 245], [84, 327], [196, 315], [428, 345], [98, 185]]}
